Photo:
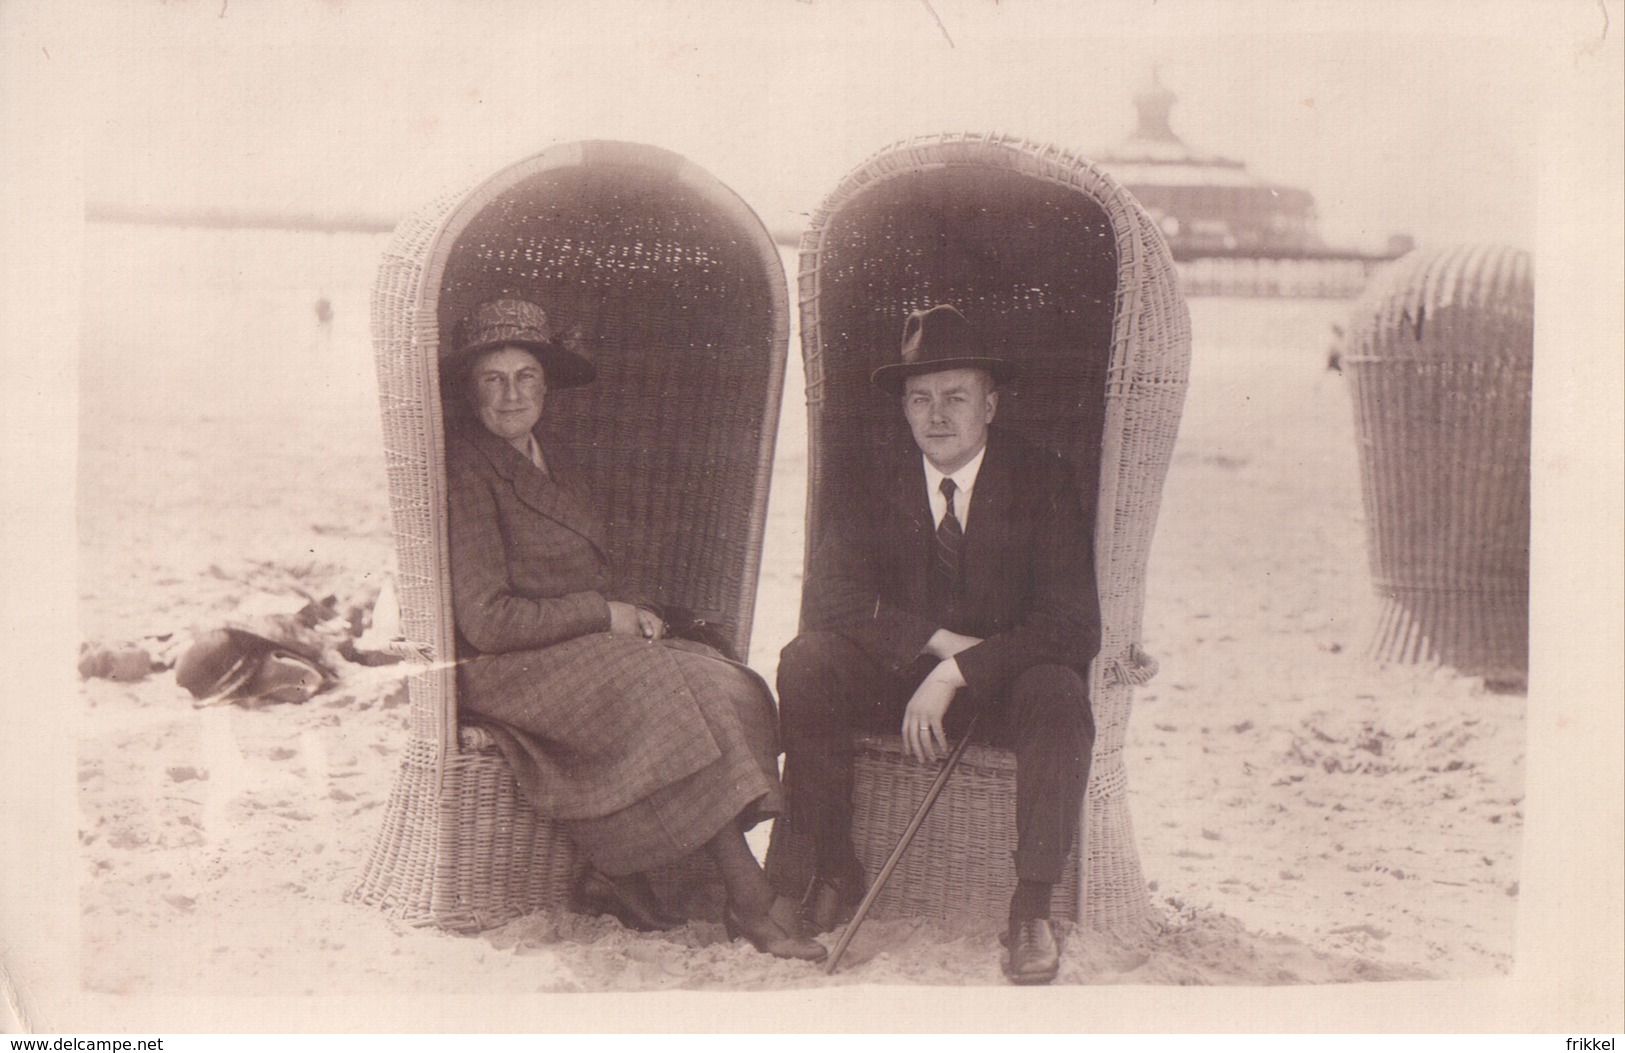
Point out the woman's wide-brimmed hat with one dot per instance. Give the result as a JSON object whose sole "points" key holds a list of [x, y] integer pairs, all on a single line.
{"points": [[517, 323], [935, 340]]}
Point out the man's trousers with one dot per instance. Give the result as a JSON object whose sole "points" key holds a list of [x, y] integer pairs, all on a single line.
{"points": [[829, 688]]}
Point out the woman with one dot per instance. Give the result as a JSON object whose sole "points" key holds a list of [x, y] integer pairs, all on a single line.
{"points": [[645, 748]]}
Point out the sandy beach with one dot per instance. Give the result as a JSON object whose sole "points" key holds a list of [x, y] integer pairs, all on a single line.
{"points": [[1304, 815]]}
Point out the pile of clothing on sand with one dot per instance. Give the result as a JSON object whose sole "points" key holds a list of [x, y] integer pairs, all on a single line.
{"points": [[273, 648]]}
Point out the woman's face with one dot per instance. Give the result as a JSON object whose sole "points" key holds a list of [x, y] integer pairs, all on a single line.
{"points": [[508, 387]]}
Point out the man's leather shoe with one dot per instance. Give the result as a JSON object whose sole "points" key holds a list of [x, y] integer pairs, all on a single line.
{"points": [[1035, 953], [629, 899], [830, 902]]}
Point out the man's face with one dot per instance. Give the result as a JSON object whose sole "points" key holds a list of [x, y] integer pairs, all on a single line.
{"points": [[949, 413], [509, 387]]}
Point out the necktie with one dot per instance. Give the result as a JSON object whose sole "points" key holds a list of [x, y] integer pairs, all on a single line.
{"points": [[950, 543]]}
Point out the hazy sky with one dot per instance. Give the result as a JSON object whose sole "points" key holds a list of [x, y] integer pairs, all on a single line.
{"points": [[1422, 117]]}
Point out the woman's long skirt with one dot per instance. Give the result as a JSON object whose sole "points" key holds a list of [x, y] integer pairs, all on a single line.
{"points": [[740, 787]]}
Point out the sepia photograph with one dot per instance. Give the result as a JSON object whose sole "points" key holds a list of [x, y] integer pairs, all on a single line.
{"points": [[726, 516]]}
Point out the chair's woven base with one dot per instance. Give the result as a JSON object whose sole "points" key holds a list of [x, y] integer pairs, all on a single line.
{"points": [[961, 861], [1478, 632], [1114, 895], [494, 858]]}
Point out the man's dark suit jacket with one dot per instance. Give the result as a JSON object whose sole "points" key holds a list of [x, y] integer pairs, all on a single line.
{"points": [[1028, 568]]}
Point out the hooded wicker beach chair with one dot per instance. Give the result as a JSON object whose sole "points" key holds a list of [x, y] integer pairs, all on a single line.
{"points": [[670, 284], [1064, 272], [1440, 355]]}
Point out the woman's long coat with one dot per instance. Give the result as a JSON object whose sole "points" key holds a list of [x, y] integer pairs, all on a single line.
{"points": [[591, 722]]}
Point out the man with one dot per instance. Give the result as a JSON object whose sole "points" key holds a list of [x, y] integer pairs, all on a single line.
{"points": [[961, 582]]}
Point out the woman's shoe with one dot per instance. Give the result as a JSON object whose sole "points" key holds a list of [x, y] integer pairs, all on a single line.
{"points": [[776, 932], [629, 899]]}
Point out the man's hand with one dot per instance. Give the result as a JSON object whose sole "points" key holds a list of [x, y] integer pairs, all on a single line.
{"points": [[923, 734], [944, 644]]}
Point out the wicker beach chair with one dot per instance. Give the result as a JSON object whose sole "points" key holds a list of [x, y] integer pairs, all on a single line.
{"points": [[1439, 354], [1068, 275], [672, 286]]}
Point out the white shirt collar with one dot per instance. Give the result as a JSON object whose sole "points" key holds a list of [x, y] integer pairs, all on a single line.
{"points": [[964, 482], [533, 450]]}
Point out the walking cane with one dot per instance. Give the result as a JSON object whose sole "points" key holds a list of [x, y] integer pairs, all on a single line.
{"points": [[903, 842]]}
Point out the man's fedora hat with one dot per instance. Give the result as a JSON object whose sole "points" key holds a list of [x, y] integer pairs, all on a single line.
{"points": [[936, 340], [517, 323]]}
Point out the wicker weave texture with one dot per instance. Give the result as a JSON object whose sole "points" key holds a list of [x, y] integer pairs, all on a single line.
{"points": [[938, 878], [1062, 272], [670, 284], [1439, 355]]}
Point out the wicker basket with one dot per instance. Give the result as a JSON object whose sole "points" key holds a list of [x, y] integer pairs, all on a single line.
{"points": [[1070, 278], [1439, 355], [672, 286]]}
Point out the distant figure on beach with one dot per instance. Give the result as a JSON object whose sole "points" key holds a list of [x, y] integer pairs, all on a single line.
{"points": [[1334, 353], [961, 582], [645, 747]]}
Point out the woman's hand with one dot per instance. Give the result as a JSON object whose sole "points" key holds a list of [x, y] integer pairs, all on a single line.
{"points": [[624, 619], [650, 624], [627, 620]]}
